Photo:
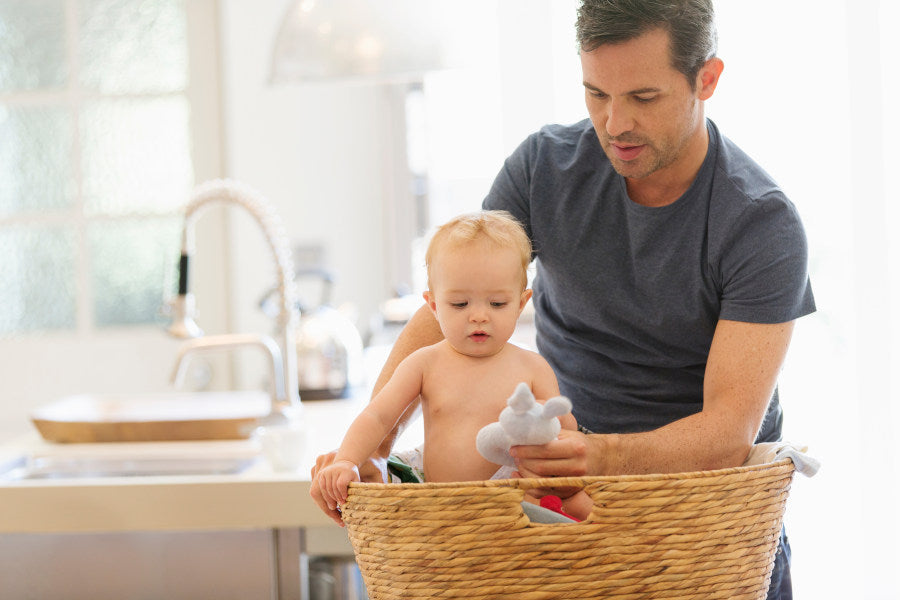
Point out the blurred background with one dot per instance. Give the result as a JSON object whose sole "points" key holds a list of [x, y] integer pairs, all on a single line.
{"points": [[366, 123]]}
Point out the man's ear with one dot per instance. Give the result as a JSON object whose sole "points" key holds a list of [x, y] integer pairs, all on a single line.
{"points": [[708, 77]]}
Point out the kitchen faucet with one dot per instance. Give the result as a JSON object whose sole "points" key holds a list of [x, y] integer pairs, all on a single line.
{"points": [[283, 361], [235, 340]]}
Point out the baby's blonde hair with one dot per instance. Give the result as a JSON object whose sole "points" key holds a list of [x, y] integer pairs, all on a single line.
{"points": [[498, 227]]}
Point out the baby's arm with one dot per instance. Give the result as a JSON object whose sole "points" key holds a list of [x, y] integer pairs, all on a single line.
{"points": [[544, 386], [369, 428], [579, 505]]}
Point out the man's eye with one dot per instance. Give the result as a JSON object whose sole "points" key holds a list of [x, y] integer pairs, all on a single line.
{"points": [[645, 99]]}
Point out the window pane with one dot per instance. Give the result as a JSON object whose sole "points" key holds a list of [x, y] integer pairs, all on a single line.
{"points": [[35, 169], [136, 156], [34, 32], [133, 47], [132, 264], [37, 281]]}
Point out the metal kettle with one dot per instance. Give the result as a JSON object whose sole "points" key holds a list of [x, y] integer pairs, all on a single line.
{"points": [[329, 346]]}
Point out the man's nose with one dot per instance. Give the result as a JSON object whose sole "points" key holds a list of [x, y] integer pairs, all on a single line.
{"points": [[619, 119]]}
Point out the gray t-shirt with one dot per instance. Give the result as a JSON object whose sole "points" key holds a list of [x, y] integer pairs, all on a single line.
{"points": [[627, 297]]}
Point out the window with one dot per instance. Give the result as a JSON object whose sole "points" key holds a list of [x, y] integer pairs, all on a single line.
{"points": [[95, 160]]}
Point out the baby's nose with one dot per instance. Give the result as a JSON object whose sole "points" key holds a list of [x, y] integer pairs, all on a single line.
{"points": [[478, 315]]}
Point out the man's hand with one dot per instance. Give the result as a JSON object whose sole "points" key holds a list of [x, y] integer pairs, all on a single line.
{"points": [[567, 456], [373, 470]]}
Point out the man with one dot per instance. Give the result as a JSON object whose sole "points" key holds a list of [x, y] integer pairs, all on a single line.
{"points": [[670, 267]]}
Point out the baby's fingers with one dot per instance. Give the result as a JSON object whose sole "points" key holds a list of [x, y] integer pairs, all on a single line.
{"points": [[342, 484], [327, 486]]}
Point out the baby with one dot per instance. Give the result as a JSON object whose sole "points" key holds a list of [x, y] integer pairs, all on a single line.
{"points": [[477, 282]]}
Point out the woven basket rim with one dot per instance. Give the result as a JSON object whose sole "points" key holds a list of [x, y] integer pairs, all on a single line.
{"points": [[581, 481]]}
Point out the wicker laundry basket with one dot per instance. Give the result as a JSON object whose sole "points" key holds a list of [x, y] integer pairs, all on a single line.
{"points": [[708, 535]]}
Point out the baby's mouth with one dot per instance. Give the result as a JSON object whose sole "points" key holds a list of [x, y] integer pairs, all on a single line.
{"points": [[479, 336]]}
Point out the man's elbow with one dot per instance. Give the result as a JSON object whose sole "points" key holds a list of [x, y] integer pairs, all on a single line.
{"points": [[732, 449]]}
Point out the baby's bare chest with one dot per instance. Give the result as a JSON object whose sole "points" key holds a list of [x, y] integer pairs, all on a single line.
{"points": [[471, 397]]}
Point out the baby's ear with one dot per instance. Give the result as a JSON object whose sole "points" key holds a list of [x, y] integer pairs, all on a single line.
{"points": [[526, 296], [429, 300]]}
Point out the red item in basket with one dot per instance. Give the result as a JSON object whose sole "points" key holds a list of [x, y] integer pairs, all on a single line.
{"points": [[555, 504]]}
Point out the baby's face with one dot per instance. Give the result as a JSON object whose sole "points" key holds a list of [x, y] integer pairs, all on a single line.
{"points": [[477, 295]]}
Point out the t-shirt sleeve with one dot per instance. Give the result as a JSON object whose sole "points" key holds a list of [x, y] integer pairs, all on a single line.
{"points": [[764, 268], [511, 190]]}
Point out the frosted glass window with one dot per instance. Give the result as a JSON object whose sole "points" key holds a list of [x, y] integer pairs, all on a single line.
{"points": [[38, 279], [35, 151], [133, 47], [95, 160], [132, 267], [135, 155], [34, 33]]}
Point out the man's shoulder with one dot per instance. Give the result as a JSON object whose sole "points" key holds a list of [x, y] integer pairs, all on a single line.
{"points": [[556, 134], [738, 177], [747, 206], [555, 147]]}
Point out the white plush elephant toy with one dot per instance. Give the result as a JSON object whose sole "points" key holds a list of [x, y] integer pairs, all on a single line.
{"points": [[523, 422]]}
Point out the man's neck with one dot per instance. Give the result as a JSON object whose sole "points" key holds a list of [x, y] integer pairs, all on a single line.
{"points": [[667, 185]]}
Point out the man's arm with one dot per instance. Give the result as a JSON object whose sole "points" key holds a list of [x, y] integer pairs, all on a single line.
{"points": [[741, 372]]}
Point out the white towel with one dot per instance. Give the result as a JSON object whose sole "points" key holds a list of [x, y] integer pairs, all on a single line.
{"points": [[768, 452]]}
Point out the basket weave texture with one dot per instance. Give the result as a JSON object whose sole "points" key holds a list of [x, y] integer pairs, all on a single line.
{"points": [[709, 535]]}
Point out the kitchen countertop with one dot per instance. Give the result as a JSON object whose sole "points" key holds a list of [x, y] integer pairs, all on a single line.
{"points": [[255, 498]]}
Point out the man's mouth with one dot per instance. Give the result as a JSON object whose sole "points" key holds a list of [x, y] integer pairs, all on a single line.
{"points": [[625, 151]]}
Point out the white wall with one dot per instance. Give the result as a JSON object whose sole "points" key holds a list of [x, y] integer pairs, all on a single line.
{"points": [[321, 151], [314, 151]]}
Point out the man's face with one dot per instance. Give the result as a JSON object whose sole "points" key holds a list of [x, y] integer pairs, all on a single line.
{"points": [[646, 115]]}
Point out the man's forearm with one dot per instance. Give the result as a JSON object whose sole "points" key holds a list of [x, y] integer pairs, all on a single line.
{"points": [[740, 378], [700, 442]]}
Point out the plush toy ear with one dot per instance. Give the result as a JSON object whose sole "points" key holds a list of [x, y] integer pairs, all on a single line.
{"points": [[557, 407], [522, 400]]}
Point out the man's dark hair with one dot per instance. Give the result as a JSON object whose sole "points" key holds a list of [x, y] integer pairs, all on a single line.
{"points": [[690, 23]]}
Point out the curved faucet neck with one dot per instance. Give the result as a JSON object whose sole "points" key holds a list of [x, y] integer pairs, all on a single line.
{"points": [[234, 193]]}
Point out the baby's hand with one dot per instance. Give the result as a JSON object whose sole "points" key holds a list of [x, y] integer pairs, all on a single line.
{"points": [[334, 480]]}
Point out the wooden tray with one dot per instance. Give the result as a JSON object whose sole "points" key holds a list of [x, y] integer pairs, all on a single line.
{"points": [[88, 418]]}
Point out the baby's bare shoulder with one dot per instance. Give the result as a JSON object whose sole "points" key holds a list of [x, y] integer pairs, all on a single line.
{"points": [[528, 357], [428, 356]]}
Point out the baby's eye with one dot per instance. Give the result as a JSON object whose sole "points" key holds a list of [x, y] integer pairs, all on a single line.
{"points": [[499, 304], [459, 304]]}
